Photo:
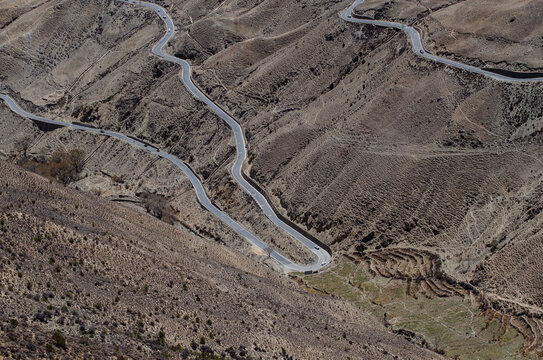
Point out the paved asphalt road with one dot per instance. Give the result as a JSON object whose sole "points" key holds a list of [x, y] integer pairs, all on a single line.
{"points": [[323, 257], [414, 37]]}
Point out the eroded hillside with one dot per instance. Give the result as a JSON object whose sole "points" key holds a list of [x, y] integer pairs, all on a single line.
{"points": [[355, 138], [505, 34], [112, 281]]}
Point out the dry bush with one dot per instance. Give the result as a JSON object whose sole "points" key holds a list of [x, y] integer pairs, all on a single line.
{"points": [[157, 205], [61, 166]]}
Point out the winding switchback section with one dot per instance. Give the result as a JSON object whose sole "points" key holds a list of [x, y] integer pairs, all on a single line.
{"points": [[323, 257], [322, 261], [416, 43]]}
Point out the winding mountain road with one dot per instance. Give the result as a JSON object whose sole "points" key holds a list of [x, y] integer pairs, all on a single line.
{"points": [[418, 48], [323, 258]]}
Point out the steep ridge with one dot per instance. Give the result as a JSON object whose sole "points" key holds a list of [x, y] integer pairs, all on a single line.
{"points": [[434, 159], [322, 259], [504, 35], [415, 38], [323, 254]]}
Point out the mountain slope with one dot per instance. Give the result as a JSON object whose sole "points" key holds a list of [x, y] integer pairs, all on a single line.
{"points": [[113, 279]]}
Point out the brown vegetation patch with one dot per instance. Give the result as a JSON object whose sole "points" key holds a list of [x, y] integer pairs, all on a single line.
{"points": [[158, 206], [62, 166]]}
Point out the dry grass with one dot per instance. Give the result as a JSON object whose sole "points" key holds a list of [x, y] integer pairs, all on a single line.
{"points": [[347, 130], [116, 282], [62, 166]]}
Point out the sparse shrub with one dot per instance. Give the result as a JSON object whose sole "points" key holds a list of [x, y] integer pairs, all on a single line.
{"points": [[61, 166], [493, 245], [157, 205], [59, 340], [176, 348], [161, 338], [117, 179]]}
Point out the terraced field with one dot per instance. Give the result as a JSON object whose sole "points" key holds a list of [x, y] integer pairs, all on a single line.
{"points": [[408, 291]]}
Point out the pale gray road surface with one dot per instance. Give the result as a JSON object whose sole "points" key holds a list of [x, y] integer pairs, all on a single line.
{"points": [[414, 37], [198, 187], [322, 257]]}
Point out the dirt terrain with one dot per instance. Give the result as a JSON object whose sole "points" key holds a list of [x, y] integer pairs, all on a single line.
{"points": [[114, 282], [424, 275], [505, 34], [407, 290], [352, 136]]}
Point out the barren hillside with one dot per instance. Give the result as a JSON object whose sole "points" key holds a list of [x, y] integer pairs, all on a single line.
{"points": [[501, 34], [354, 138], [115, 282]]}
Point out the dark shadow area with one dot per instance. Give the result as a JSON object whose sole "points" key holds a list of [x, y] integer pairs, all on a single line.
{"points": [[516, 74], [46, 127]]}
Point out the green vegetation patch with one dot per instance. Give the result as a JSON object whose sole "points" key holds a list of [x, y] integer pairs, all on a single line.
{"points": [[450, 325]]}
